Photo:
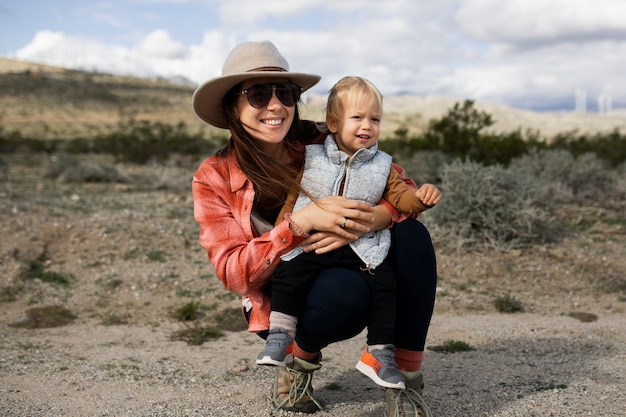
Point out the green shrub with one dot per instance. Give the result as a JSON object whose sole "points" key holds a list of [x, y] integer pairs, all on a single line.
{"points": [[36, 270], [610, 147], [424, 166], [68, 168], [564, 177], [620, 184], [458, 131], [590, 177], [507, 304], [492, 206], [190, 311], [142, 141], [5, 170]]}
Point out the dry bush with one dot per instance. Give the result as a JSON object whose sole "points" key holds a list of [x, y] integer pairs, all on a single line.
{"points": [[492, 207], [69, 168], [566, 178], [424, 166]]}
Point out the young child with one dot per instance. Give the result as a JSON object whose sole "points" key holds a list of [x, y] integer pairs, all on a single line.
{"points": [[348, 164]]}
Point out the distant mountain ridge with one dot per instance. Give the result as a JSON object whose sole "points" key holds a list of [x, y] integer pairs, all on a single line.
{"points": [[36, 96]]}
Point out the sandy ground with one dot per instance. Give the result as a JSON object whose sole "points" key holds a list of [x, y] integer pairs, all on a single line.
{"points": [[132, 255], [522, 365]]}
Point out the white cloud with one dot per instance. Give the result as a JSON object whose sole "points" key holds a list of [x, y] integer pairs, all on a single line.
{"points": [[252, 11], [159, 44], [518, 52], [527, 23]]}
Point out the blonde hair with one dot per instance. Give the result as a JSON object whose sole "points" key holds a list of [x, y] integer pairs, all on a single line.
{"points": [[357, 90]]}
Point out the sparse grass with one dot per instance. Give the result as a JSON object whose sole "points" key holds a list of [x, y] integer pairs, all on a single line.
{"points": [[155, 255], [550, 387], [612, 282], [231, 319], [113, 284], [45, 317], [452, 346], [114, 319], [36, 270], [181, 292], [190, 311], [582, 316], [9, 293], [131, 254], [197, 334], [507, 304]]}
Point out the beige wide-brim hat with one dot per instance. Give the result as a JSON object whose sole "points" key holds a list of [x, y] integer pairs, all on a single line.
{"points": [[247, 60]]}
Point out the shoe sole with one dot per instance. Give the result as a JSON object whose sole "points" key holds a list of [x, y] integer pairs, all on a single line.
{"points": [[266, 360], [371, 374]]}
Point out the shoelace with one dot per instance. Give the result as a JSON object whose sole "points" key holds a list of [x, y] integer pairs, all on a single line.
{"points": [[300, 387], [415, 399]]}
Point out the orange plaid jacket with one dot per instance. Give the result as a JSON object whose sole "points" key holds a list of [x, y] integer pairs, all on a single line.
{"points": [[244, 260]]}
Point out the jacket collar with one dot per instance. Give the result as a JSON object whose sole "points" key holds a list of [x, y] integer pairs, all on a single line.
{"points": [[237, 177], [337, 156]]}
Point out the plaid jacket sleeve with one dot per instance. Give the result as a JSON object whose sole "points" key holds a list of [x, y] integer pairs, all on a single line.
{"points": [[223, 198]]}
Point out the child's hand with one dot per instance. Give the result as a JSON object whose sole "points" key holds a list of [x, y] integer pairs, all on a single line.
{"points": [[428, 194]]}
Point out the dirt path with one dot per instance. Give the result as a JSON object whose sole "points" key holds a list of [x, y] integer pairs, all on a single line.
{"points": [[522, 365], [121, 258]]}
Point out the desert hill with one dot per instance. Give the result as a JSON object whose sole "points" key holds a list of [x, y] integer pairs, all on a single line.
{"points": [[117, 268], [52, 102]]}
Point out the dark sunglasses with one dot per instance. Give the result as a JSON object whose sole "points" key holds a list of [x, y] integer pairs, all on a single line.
{"points": [[259, 95]]}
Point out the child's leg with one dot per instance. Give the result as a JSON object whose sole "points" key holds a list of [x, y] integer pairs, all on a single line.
{"points": [[284, 321], [290, 285], [378, 358]]}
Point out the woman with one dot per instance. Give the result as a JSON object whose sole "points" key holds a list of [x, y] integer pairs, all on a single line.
{"points": [[239, 192]]}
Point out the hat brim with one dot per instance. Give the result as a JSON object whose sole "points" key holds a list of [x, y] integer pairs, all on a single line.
{"points": [[207, 99]]}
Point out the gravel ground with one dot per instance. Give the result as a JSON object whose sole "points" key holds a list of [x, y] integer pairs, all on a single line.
{"points": [[521, 365], [130, 254]]}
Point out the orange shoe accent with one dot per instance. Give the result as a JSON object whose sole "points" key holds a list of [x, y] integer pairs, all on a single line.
{"points": [[369, 360], [372, 367]]}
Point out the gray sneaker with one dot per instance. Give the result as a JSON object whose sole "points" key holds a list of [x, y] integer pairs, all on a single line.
{"points": [[275, 350], [380, 366]]}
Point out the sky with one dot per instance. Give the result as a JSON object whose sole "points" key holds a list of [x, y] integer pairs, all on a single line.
{"points": [[529, 54]]}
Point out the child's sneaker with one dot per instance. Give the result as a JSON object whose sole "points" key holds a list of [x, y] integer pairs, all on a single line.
{"points": [[275, 350], [380, 366]]}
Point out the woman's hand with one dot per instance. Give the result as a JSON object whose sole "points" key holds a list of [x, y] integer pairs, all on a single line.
{"points": [[347, 219], [359, 219], [323, 242]]}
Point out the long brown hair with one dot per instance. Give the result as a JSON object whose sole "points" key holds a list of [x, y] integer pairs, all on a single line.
{"points": [[272, 180]]}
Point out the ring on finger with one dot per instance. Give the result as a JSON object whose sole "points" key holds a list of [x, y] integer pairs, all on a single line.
{"points": [[343, 225]]}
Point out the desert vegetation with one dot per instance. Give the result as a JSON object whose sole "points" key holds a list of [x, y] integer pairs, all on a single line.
{"points": [[98, 234], [502, 192]]}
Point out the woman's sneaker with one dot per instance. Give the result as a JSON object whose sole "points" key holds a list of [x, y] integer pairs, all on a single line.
{"points": [[276, 345], [408, 402], [380, 366], [293, 388]]}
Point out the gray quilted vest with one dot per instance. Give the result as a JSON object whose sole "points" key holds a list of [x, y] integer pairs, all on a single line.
{"points": [[364, 177]]}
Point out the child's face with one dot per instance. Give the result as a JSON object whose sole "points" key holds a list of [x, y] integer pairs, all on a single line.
{"points": [[358, 125]]}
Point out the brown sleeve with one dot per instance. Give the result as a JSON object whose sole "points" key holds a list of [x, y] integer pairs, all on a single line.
{"points": [[290, 201], [402, 196]]}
